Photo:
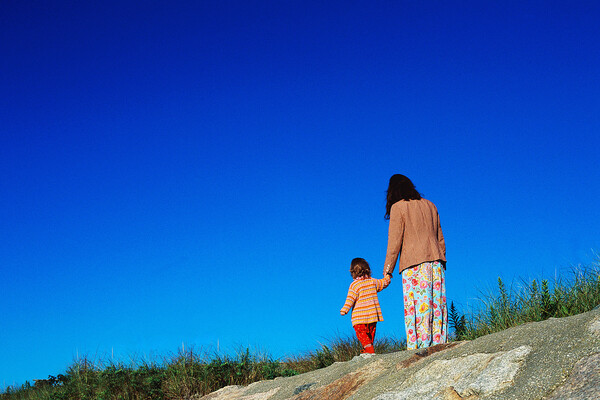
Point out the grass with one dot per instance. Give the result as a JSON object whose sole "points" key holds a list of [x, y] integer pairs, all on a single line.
{"points": [[339, 349], [184, 374], [190, 372], [529, 301]]}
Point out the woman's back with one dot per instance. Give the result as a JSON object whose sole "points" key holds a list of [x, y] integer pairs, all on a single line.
{"points": [[414, 233]]}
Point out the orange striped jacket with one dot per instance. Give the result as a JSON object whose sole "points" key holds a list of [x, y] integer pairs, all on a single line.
{"points": [[362, 298]]}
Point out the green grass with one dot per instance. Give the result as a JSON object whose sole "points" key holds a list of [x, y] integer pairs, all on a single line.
{"points": [[184, 374], [574, 293], [339, 349], [181, 375]]}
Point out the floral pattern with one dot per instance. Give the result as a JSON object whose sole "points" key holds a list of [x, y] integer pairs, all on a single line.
{"points": [[425, 312]]}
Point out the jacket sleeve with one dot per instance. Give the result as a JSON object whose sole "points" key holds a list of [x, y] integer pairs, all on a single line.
{"points": [[395, 236], [441, 241], [383, 283], [350, 300]]}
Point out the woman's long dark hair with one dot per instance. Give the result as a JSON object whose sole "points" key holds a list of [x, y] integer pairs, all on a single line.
{"points": [[400, 188]]}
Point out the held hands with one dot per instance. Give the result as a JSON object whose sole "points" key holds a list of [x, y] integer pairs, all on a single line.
{"points": [[387, 279]]}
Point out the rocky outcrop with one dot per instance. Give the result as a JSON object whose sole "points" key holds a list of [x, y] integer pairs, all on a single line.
{"points": [[476, 374], [553, 359]]}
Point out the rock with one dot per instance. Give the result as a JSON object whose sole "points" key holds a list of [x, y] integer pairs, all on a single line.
{"points": [[343, 387], [426, 352], [474, 375], [238, 393], [553, 359], [303, 387], [595, 327], [450, 394], [584, 382]]}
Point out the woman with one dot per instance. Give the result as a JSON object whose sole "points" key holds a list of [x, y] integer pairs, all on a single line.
{"points": [[416, 236]]}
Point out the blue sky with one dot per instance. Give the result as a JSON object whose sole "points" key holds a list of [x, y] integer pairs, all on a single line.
{"points": [[203, 172]]}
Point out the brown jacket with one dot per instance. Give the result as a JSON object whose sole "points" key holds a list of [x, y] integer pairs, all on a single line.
{"points": [[415, 234]]}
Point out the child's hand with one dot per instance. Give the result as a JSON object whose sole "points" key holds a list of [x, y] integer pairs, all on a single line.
{"points": [[342, 313], [387, 279]]}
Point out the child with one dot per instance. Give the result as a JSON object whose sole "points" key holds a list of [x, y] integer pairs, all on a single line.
{"points": [[362, 298]]}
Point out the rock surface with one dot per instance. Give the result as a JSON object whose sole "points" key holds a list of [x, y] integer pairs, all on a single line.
{"points": [[476, 374], [549, 360]]}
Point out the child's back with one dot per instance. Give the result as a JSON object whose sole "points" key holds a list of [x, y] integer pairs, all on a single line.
{"points": [[362, 298], [362, 294]]}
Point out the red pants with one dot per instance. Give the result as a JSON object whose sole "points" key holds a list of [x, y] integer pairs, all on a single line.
{"points": [[366, 335]]}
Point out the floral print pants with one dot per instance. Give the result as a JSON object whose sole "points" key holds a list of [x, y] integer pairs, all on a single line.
{"points": [[425, 312]]}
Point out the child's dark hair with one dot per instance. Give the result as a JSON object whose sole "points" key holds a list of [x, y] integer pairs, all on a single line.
{"points": [[359, 267]]}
